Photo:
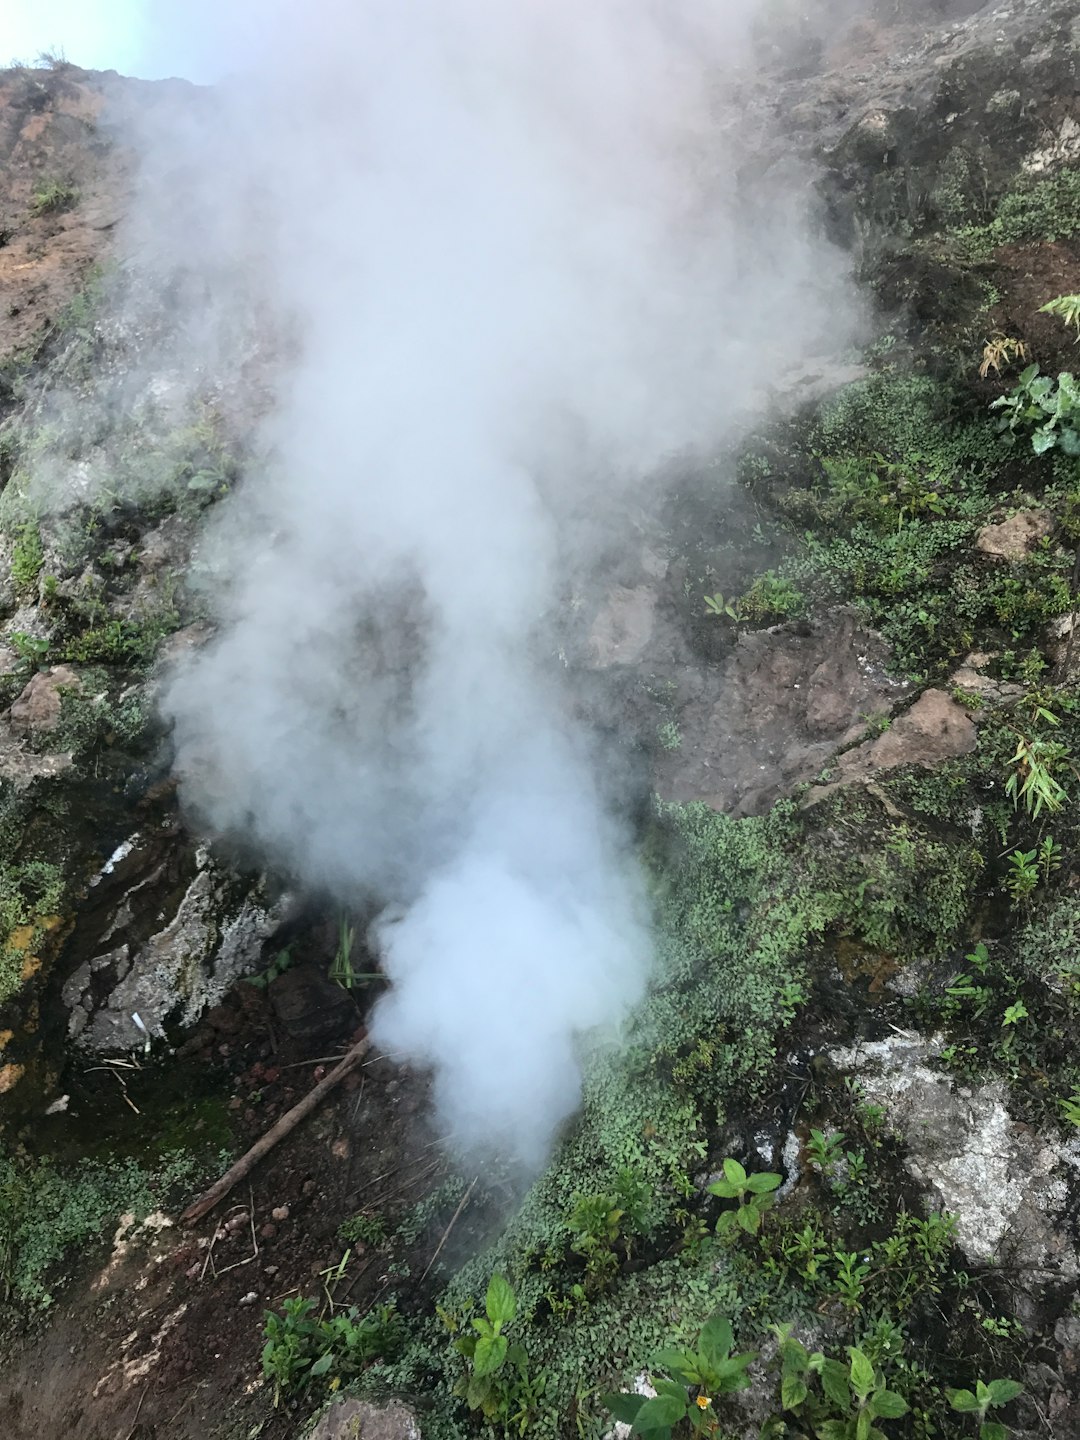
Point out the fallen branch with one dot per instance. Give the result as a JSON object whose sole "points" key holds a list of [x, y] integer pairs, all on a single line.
{"points": [[289, 1121]]}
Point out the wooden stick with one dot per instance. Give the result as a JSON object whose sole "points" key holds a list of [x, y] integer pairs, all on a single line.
{"points": [[289, 1121]]}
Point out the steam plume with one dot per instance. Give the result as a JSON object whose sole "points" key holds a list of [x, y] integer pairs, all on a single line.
{"points": [[506, 244]]}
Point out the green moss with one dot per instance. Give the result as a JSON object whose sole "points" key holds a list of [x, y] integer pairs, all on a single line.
{"points": [[31, 893], [49, 1216], [1035, 210], [28, 557]]}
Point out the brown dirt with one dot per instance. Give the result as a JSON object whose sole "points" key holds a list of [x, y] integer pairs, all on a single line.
{"points": [[1027, 277], [169, 1334], [49, 131]]}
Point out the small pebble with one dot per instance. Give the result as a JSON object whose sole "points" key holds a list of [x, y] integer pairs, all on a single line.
{"points": [[268, 1232], [249, 1298], [279, 1213]]}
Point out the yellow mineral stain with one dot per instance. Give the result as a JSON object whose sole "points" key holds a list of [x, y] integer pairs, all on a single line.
{"points": [[6, 1037], [10, 1075], [30, 967]]}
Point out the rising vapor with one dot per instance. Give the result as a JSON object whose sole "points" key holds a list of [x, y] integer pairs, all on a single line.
{"points": [[510, 273]]}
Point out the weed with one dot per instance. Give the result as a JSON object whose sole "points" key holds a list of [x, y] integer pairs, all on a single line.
{"points": [[1033, 780], [718, 605], [52, 196], [692, 1380], [1022, 876], [669, 735], [752, 1194], [824, 1152], [853, 1396], [499, 1381], [1066, 308], [1045, 410], [1000, 351], [986, 1397], [300, 1348], [279, 963], [28, 556], [770, 599]]}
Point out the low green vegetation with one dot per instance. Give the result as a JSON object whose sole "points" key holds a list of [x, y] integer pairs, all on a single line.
{"points": [[52, 1218], [51, 196], [28, 557], [303, 1350]]}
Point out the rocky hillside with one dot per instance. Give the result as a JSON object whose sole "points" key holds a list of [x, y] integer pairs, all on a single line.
{"points": [[851, 1102]]}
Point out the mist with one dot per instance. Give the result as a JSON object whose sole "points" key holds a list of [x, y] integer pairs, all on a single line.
{"points": [[509, 265]]}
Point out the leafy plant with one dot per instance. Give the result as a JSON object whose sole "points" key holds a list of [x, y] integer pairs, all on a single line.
{"points": [[499, 1382], [278, 965], [825, 1151], [1066, 308], [999, 351], [52, 196], [853, 1398], [1032, 780], [692, 1380], [1045, 410], [717, 605], [751, 1192], [851, 1276], [1070, 1109], [300, 1348], [1022, 877], [31, 649], [600, 1223], [27, 556], [986, 1397]]}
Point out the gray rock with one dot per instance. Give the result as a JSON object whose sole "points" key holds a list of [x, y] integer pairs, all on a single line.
{"points": [[1006, 1184], [348, 1419]]}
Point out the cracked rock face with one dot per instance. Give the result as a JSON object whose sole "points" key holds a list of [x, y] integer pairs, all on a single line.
{"points": [[1007, 1185], [214, 935]]}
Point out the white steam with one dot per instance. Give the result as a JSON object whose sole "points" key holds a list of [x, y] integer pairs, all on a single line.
{"points": [[506, 240]]}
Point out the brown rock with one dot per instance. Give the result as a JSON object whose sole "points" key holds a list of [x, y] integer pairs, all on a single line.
{"points": [[38, 707], [1013, 538], [936, 728]]}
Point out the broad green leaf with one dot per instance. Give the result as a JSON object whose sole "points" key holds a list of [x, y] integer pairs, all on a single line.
{"points": [[835, 1430], [725, 1189], [670, 1387], [863, 1423], [962, 1400], [483, 1327], [322, 1365], [683, 1364], [862, 1373], [795, 1356], [793, 1391], [734, 1173], [715, 1339], [1043, 440], [888, 1405], [623, 1405], [993, 1430], [500, 1304], [762, 1183], [660, 1413], [1002, 1391], [749, 1219], [834, 1381], [489, 1354]]}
